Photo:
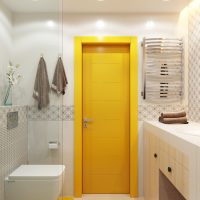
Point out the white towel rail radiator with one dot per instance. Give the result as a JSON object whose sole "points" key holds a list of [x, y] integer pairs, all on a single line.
{"points": [[163, 70]]}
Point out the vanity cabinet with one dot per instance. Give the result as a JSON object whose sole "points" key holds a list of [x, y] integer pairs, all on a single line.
{"points": [[174, 158], [151, 165], [174, 165]]}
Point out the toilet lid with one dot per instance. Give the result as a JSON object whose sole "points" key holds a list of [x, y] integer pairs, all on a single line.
{"points": [[37, 172]]}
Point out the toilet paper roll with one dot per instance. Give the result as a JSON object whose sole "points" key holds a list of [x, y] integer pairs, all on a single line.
{"points": [[53, 145]]}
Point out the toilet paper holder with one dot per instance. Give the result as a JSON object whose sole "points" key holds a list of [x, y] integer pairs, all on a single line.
{"points": [[53, 144]]}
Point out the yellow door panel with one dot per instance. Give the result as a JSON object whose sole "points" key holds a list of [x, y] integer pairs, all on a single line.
{"points": [[109, 151], [108, 129], [106, 102], [103, 72], [98, 166], [117, 183], [105, 95]]}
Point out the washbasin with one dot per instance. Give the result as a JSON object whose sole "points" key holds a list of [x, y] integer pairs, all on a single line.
{"points": [[188, 130]]}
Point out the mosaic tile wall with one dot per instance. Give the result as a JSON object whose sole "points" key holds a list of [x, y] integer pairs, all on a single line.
{"points": [[194, 63], [13, 143]]}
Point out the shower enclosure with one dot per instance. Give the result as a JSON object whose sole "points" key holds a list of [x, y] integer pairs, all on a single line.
{"points": [[29, 136]]}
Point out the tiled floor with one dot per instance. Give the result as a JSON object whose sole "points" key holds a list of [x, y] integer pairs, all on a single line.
{"points": [[107, 197]]}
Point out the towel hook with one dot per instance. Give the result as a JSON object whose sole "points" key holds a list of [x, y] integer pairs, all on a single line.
{"points": [[41, 55], [59, 55]]}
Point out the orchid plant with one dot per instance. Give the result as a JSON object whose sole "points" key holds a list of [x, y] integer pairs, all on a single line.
{"points": [[12, 75], [13, 79]]}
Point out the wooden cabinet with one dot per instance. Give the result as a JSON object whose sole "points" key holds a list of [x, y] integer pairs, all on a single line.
{"points": [[146, 162], [174, 165], [151, 165], [159, 155]]}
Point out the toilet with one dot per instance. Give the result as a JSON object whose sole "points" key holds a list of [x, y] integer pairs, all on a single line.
{"points": [[35, 182]]}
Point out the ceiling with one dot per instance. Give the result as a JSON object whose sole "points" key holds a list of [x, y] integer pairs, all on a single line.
{"points": [[97, 6]]}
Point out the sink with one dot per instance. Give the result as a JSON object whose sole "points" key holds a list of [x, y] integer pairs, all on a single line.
{"points": [[188, 130]]}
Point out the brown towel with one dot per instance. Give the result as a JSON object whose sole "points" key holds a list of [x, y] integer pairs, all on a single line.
{"points": [[173, 114], [179, 120], [59, 80], [41, 88]]}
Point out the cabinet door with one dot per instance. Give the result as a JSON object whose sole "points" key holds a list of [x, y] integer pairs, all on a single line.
{"points": [[179, 163], [151, 166], [164, 158], [154, 167], [146, 166], [181, 180], [174, 165]]}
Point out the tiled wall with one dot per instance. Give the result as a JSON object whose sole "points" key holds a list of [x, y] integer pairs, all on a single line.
{"points": [[54, 123], [152, 111], [66, 113], [46, 125], [13, 143], [194, 62], [51, 113]]}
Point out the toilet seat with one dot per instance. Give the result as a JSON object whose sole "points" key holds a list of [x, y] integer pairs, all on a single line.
{"points": [[37, 172]]}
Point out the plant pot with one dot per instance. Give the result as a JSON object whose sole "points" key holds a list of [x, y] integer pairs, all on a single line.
{"points": [[8, 96]]}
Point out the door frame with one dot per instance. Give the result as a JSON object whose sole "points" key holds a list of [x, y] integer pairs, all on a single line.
{"points": [[78, 107]]}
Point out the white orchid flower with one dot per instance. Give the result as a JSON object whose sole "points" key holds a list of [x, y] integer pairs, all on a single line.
{"points": [[13, 78]]}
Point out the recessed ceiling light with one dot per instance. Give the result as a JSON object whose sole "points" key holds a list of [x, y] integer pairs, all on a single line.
{"points": [[150, 24], [51, 24], [166, 0], [100, 24], [100, 0], [35, 0]]}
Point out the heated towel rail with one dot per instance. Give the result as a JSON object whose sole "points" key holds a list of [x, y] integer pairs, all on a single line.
{"points": [[162, 69]]}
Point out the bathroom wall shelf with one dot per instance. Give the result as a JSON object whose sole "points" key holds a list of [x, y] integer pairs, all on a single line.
{"points": [[162, 70]]}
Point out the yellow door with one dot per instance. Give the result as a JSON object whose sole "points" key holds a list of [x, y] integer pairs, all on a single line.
{"points": [[106, 119]]}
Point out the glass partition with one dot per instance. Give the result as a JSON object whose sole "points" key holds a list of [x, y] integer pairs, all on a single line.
{"points": [[30, 40]]}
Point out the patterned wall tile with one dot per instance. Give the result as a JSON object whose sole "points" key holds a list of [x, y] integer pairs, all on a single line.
{"points": [[68, 113], [51, 113], [194, 63], [194, 113], [153, 111], [13, 143]]}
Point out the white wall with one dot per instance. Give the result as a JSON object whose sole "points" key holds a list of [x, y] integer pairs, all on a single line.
{"points": [[33, 35], [5, 46]]}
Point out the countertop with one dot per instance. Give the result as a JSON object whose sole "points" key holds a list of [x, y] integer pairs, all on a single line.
{"points": [[187, 132]]}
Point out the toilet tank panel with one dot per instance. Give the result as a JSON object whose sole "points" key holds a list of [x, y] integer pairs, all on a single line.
{"points": [[32, 190], [37, 172]]}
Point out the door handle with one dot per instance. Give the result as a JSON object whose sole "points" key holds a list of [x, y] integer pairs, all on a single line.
{"points": [[87, 120]]}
